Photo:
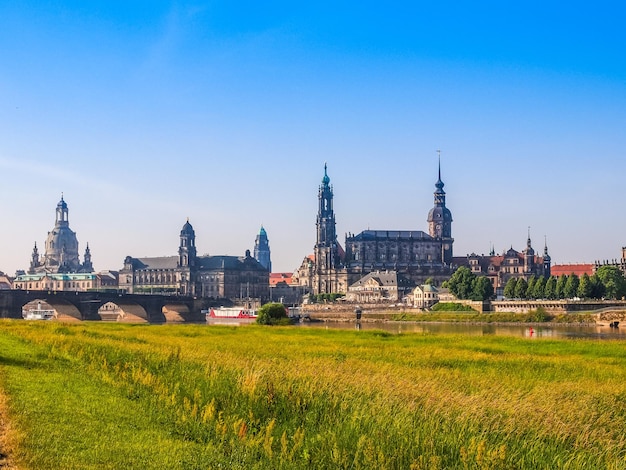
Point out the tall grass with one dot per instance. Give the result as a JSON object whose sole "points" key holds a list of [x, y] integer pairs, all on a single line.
{"points": [[191, 396]]}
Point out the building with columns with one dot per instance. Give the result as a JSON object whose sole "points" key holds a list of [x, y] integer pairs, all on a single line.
{"points": [[240, 278], [413, 254]]}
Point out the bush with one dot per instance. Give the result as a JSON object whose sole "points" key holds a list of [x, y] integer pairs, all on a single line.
{"points": [[272, 314]]}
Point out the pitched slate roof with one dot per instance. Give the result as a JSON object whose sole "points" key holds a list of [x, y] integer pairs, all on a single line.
{"points": [[162, 262]]}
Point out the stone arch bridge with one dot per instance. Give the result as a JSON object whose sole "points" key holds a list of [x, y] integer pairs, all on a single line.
{"points": [[151, 308]]}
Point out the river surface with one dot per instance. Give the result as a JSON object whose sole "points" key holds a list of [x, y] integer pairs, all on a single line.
{"points": [[600, 331]]}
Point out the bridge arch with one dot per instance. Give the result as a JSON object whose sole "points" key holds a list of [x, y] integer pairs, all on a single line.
{"points": [[63, 310], [123, 312]]}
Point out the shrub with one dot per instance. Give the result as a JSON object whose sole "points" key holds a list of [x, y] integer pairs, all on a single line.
{"points": [[272, 314]]}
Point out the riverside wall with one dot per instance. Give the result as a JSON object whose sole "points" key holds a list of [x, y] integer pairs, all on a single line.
{"points": [[380, 311]]}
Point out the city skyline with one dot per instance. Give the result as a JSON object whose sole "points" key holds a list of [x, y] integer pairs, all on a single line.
{"points": [[146, 114]]}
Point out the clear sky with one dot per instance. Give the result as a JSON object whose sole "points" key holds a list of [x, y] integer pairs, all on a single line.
{"points": [[144, 113]]}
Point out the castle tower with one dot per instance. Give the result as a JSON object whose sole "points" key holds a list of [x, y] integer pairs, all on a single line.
{"points": [[262, 250], [440, 221]]}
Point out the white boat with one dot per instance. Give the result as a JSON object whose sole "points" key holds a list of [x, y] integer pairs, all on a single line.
{"points": [[37, 314], [230, 312]]}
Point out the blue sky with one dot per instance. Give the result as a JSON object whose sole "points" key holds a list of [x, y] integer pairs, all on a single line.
{"points": [[146, 113]]}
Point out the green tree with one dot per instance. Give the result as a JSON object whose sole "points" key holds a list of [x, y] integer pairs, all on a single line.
{"points": [[559, 292], [509, 288], [520, 288], [271, 314], [597, 288], [549, 291], [585, 287], [613, 280], [539, 290], [482, 288], [429, 282], [531, 287], [461, 283], [571, 286]]}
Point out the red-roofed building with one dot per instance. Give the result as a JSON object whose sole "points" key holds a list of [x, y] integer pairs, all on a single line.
{"points": [[284, 288], [569, 269]]}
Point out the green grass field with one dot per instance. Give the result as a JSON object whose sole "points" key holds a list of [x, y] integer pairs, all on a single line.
{"points": [[190, 396]]}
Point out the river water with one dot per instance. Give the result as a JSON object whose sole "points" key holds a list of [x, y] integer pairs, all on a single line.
{"points": [[600, 331]]}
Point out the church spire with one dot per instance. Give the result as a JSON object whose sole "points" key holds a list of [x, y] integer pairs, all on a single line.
{"points": [[34, 261], [326, 235], [440, 217]]}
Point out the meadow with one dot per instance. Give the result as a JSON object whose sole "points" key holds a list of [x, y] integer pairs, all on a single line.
{"points": [[93, 395]]}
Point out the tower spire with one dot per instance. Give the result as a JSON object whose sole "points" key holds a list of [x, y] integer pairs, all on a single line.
{"points": [[439, 158]]}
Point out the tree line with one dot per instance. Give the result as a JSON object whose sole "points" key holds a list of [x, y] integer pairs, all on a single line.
{"points": [[608, 282]]}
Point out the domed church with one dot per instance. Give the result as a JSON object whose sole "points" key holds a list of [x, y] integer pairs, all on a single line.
{"points": [[61, 255]]}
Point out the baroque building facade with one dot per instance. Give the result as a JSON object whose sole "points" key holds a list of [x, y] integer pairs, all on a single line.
{"points": [[510, 264], [229, 277], [413, 254]]}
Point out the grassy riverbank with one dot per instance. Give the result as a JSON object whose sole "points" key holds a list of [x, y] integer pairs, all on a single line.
{"points": [[191, 396]]}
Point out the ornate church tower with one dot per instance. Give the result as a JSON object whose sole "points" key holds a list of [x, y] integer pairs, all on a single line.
{"points": [[34, 260], [187, 260], [262, 250], [440, 221], [87, 264], [187, 247], [326, 248]]}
